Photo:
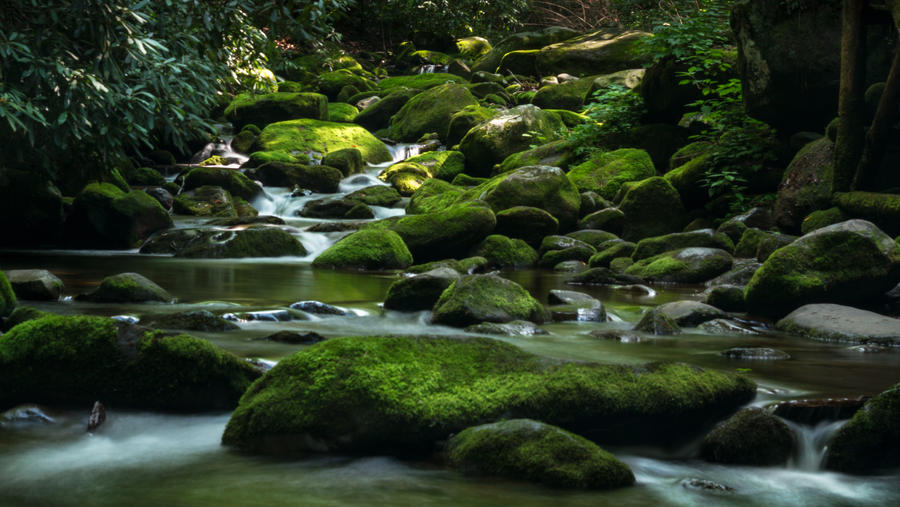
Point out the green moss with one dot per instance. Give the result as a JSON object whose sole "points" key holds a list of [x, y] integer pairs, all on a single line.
{"points": [[871, 440], [235, 182], [653, 208], [252, 128], [376, 195], [205, 201], [503, 252], [23, 314], [366, 249], [419, 81], [603, 258], [127, 288], [606, 172], [434, 195], [406, 177], [259, 158], [472, 48], [686, 265], [822, 218], [105, 216], [485, 298], [686, 180], [749, 243], [570, 95], [593, 53], [269, 108], [750, 437], [429, 57], [8, 299], [318, 137], [331, 83], [76, 360], [144, 177], [341, 112], [445, 165], [396, 395], [536, 452], [556, 153], [649, 247], [378, 115], [259, 241], [430, 111], [464, 120], [348, 160], [881, 209]]}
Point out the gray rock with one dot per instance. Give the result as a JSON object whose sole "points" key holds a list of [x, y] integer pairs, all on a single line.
{"points": [[35, 284], [755, 353], [318, 308], [725, 326], [844, 324], [690, 313], [658, 323], [514, 328]]}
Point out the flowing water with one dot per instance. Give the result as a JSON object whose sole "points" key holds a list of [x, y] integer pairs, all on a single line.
{"points": [[140, 458]]}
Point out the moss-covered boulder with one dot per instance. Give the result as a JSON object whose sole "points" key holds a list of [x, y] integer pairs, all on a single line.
{"points": [[235, 182], [318, 178], [822, 218], [366, 250], [611, 220], [707, 238], [881, 209], [318, 138], [348, 161], [570, 95], [685, 265], [609, 251], [205, 201], [77, 360], [336, 208], [528, 450], [527, 223], [127, 288], [751, 437], [406, 177], [652, 207], [341, 112], [445, 165], [846, 263], [806, 185], [605, 173], [657, 323], [486, 298], [430, 111], [465, 120], [871, 440], [398, 395], [601, 52], [687, 180], [419, 82], [8, 299], [542, 187], [521, 41], [433, 195], [490, 142], [421, 291], [472, 48], [503, 252], [193, 320], [376, 195], [104, 216], [22, 314], [143, 176], [558, 153], [261, 110], [30, 284], [378, 115], [254, 241], [331, 83]]}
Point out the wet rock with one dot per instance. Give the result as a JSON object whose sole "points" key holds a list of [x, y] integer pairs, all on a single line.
{"points": [[261, 110], [603, 276], [524, 449], [871, 440], [658, 323], [652, 207], [844, 324], [317, 178], [347, 160], [256, 241], [335, 227], [611, 220], [690, 313], [613, 250], [593, 237], [739, 275], [750, 437], [806, 185], [755, 354], [727, 327], [377, 115], [570, 267], [319, 308], [294, 337], [502, 252], [512, 328], [706, 486], [336, 208], [376, 195], [235, 182], [127, 288], [605, 173], [163, 196], [729, 298], [104, 216], [367, 249], [812, 412], [25, 414], [262, 315], [248, 220], [486, 298], [35, 284], [206, 201], [97, 418], [618, 335], [194, 320], [600, 52], [430, 111], [527, 223], [687, 265], [706, 238]]}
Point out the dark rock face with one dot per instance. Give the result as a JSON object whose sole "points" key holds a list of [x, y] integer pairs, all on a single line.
{"points": [[750, 437], [35, 284], [813, 412]]}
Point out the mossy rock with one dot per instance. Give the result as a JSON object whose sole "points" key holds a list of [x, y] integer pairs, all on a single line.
{"points": [[472, 48], [521, 41], [490, 142], [601, 52], [143, 177], [707, 238], [244, 140], [685, 265], [261, 110], [690, 313], [686, 179], [23, 314], [611, 220], [331, 83], [558, 153], [341, 112], [527, 223], [751, 437], [430, 111], [399, 395], [427, 57], [542, 187], [503, 252], [603, 258], [434, 195], [449, 232], [652, 207], [528, 450], [205, 201], [378, 115], [419, 81], [445, 165], [729, 298], [348, 161], [78, 360], [419, 292], [845, 263], [806, 186], [520, 62], [570, 95], [376, 195], [254, 241], [127, 288], [593, 237], [871, 440], [8, 300], [258, 158], [881, 209], [320, 138], [194, 320], [822, 218], [336, 208], [606, 172], [235, 182], [406, 177], [318, 178], [657, 323], [577, 253], [486, 298], [464, 180], [465, 120], [366, 250], [103, 216]]}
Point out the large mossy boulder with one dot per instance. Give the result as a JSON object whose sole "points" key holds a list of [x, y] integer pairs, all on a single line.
{"points": [[331, 83], [433, 195], [528, 450], [31, 209], [254, 241], [378, 115], [600, 52], [104, 216], [399, 395], [127, 288], [881, 209], [502, 252], [261, 110], [558, 153], [570, 95], [430, 111], [751, 437], [420, 291], [366, 250], [490, 142], [445, 165], [317, 138], [486, 298], [465, 120], [419, 81], [205, 201], [706, 238], [845, 263], [521, 41], [527, 223], [605, 173], [871, 440], [235, 182], [318, 178], [78, 360], [542, 187], [806, 185], [8, 299], [652, 207], [685, 265]]}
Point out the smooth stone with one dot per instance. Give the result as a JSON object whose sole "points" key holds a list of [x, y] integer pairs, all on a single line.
{"points": [[35, 284], [514, 328], [690, 313], [843, 324], [318, 308]]}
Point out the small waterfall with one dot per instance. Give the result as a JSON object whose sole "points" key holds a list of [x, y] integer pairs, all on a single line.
{"points": [[430, 68], [222, 148], [812, 443], [402, 151]]}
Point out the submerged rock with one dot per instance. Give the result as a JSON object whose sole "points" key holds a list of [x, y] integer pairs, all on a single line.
{"points": [[399, 395], [319, 308], [294, 337], [127, 288], [524, 449], [750, 437]]}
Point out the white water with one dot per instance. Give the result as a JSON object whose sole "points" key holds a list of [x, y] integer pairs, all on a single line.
{"points": [[812, 443]]}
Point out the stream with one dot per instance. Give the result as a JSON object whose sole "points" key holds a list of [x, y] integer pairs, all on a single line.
{"points": [[141, 458]]}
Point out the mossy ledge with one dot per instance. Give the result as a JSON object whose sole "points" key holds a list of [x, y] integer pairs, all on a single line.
{"points": [[401, 395]]}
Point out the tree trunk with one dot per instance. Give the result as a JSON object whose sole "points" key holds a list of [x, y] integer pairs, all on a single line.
{"points": [[851, 107]]}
